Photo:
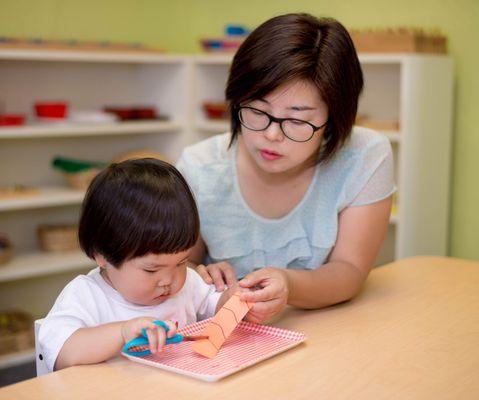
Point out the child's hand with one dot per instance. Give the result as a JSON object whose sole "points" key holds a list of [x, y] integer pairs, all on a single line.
{"points": [[156, 334], [219, 274]]}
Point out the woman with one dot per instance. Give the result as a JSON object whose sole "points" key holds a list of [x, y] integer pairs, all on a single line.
{"points": [[295, 201]]}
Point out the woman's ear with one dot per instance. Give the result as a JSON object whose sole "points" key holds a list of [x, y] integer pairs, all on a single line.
{"points": [[100, 260]]}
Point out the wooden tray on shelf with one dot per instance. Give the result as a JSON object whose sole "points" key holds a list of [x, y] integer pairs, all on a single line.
{"points": [[400, 40], [17, 191]]}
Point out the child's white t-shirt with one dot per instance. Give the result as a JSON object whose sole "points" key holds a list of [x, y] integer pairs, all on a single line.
{"points": [[89, 301]]}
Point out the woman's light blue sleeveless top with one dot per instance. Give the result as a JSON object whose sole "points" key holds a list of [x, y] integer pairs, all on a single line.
{"points": [[360, 173]]}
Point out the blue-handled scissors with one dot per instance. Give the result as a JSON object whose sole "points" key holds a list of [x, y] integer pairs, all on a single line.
{"points": [[142, 340]]}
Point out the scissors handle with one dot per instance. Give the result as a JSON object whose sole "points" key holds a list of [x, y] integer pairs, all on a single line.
{"points": [[174, 339], [143, 340]]}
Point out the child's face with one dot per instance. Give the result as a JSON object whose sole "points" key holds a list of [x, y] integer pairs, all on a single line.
{"points": [[150, 279]]}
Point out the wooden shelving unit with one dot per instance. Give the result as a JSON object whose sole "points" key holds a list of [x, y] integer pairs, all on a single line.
{"points": [[415, 90]]}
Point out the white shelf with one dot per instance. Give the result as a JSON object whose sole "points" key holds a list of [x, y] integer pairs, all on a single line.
{"points": [[213, 59], [157, 58], [70, 130], [31, 265], [46, 197], [20, 357], [134, 57]]}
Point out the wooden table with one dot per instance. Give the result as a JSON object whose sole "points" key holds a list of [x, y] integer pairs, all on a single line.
{"points": [[412, 333]]}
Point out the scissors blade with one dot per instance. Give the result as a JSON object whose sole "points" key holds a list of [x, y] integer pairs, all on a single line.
{"points": [[193, 338]]}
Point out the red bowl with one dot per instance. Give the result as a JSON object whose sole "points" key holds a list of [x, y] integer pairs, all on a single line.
{"points": [[216, 110], [12, 120], [145, 113], [123, 114], [51, 110], [132, 113]]}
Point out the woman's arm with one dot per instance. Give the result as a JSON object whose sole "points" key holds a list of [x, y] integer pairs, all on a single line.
{"points": [[198, 252], [361, 232], [100, 343]]}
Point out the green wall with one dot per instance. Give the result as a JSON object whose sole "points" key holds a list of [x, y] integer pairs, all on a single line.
{"points": [[176, 25]]}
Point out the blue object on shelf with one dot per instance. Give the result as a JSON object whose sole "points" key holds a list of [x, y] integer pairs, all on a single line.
{"points": [[213, 44], [236, 30]]}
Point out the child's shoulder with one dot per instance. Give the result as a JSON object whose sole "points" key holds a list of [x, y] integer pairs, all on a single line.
{"points": [[193, 279], [83, 285]]}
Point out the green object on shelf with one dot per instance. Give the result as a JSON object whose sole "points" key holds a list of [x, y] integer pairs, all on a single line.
{"points": [[71, 165]]}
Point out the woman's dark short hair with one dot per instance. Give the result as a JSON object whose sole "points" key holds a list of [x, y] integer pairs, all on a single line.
{"points": [[138, 207], [300, 46]]}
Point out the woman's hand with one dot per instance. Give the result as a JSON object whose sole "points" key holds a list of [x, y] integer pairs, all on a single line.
{"points": [[269, 292], [219, 274], [156, 334]]}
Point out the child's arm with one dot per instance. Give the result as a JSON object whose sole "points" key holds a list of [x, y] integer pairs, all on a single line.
{"points": [[99, 343]]}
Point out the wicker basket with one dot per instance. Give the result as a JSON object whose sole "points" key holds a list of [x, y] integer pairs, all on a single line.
{"points": [[58, 237], [81, 180], [16, 332]]}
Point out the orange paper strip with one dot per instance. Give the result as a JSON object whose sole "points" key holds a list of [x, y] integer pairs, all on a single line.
{"points": [[221, 326]]}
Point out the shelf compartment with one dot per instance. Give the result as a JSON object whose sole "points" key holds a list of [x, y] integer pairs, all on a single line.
{"points": [[36, 264], [46, 197]]}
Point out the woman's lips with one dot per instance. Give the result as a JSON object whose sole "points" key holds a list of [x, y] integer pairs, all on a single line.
{"points": [[270, 155]]}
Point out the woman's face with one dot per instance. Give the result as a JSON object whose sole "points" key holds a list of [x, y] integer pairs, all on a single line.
{"points": [[147, 280], [270, 149]]}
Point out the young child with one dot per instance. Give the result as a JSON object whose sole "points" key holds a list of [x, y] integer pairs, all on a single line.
{"points": [[139, 221]]}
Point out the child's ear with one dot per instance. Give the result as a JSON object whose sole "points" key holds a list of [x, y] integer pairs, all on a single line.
{"points": [[100, 260]]}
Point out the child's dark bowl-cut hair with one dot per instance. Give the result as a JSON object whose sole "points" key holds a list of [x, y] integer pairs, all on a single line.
{"points": [[138, 207]]}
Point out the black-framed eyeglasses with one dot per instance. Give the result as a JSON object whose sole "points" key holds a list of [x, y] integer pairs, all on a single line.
{"points": [[294, 129]]}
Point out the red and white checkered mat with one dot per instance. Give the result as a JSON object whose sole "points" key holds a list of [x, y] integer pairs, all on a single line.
{"points": [[248, 344]]}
